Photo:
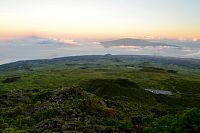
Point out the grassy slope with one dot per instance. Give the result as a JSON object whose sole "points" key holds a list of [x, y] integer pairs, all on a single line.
{"points": [[124, 111], [51, 79]]}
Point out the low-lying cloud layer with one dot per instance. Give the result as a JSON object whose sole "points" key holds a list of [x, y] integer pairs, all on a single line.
{"points": [[161, 47], [34, 47], [134, 42]]}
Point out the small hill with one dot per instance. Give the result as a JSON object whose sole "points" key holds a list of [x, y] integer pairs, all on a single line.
{"points": [[118, 87]]}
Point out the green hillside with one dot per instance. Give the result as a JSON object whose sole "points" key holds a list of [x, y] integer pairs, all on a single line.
{"points": [[118, 87], [95, 94]]}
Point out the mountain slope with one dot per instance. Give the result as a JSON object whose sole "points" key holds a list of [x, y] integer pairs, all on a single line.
{"points": [[102, 60]]}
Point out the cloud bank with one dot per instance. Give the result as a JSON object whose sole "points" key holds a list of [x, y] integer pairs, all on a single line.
{"points": [[34, 47], [134, 42]]}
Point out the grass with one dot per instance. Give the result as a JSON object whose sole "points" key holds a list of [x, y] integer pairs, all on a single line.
{"points": [[111, 97], [51, 79]]}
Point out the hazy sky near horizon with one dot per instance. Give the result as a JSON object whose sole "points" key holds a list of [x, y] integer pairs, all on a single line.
{"points": [[100, 19]]}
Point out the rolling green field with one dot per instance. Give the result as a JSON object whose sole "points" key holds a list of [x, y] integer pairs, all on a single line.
{"points": [[99, 95]]}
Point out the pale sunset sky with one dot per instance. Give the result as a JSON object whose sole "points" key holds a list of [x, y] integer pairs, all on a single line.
{"points": [[100, 19]]}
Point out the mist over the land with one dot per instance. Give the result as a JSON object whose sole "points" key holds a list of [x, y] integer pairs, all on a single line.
{"points": [[34, 47]]}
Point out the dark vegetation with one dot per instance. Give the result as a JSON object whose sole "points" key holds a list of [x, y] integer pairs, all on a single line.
{"points": [[118, 87], [99, 94], [159, 70], [11, 79]]}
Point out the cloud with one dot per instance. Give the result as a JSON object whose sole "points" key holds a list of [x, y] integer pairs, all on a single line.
{"points": [[135, 42], [129, 47], [4, 60], [66, 41], [35, 40], [181, 43], [34, 47], [195, 54]]}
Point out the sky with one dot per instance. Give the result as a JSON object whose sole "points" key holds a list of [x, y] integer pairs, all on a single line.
{"points": [[33, 29], [100, 19]]}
